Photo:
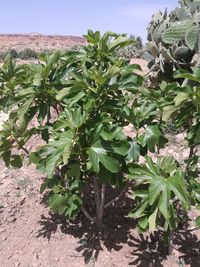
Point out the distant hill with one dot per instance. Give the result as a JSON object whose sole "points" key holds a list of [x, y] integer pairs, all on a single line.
{"points": [[38, 42]]}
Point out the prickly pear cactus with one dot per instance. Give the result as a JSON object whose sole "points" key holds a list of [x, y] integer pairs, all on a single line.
{"points": [[174, 38]]}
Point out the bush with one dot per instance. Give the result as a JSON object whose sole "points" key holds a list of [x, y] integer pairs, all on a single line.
{"points": [[27, 53], [95, 94]]}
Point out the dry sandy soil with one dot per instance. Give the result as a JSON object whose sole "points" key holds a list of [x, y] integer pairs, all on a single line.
{"points": [[31, 236], [38, 42]]}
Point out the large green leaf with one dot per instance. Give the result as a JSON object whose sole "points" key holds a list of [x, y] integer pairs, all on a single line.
{"points": [[58, 203], [133, 152], [168, 111], [152, 221], [99, 154], [151, 137], [24, 108], [52, 162], [16, 161], [120, 42]]}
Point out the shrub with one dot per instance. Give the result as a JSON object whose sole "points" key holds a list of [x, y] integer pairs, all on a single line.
{"points": [[27, 53], [95, 94]]}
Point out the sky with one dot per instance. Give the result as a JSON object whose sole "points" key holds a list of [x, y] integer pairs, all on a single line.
{"points": [[74, 17]]}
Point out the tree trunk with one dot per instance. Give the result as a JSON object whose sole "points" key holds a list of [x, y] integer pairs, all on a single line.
{"points": [[99, 201], [101, 208], [170, 242]]}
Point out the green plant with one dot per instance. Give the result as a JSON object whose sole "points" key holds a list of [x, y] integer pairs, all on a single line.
{"points": [[132, 51], [27, 53], [179, 104], [174, 40], [88, 89], [80, 102], [160, 194]]}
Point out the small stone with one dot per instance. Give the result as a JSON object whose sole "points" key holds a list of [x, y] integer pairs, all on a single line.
{"points": [[11, 219], [22, 201], [2, 230]]}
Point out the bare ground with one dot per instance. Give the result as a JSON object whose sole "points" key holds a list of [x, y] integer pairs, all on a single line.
{"points": [[38, 42]]}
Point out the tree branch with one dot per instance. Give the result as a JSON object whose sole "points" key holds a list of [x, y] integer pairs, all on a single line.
{"points": [[96, 193], [87, 215], [123, 192], [101, 208]]}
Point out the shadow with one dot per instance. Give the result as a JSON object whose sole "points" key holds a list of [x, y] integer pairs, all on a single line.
{"points": [[151, 250], [113, 234], [148, 250], [189, 246]]}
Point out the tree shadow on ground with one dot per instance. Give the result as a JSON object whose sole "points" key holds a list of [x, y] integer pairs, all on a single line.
{"points": [[117, 231], [152, 250], [113, 234]]}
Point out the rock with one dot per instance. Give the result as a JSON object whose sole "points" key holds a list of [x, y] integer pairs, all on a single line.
{"points": [[22, 201], [11, 219]]}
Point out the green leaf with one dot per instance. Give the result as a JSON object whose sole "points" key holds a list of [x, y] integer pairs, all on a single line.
{"points": [[152, 221], [197, 221], [16, 161], [150, 138], [120, 148], [58, 203], [6, 157], [67, 151], [98, 154], [140, 210], [52, 162], [168, 111], [74, 170], [177, 185], [159, 188], [133, 152], [143, 223], [181, 98], [64, 92], [120, 42], [37, 81], [24, 108], [110, 163]]}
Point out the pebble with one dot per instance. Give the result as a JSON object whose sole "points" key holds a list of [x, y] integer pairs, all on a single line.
{"points": [[11, 219], [2, 230], [22, 201]]}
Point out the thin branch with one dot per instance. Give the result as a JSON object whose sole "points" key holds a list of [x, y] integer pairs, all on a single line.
{"points": [[96, 193], [85, 212], [24, 149], [170, 242], [101, 208], [56, 109], [20, 146], [190, 230], [123, 192], [191, 154]]}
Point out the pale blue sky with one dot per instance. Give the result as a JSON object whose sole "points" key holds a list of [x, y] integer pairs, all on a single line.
{"points": [[74, 17]]}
